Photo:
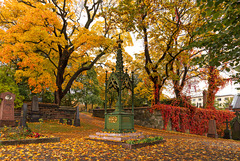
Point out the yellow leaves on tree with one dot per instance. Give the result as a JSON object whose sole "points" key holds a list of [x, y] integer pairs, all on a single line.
{"points": [[49, 43]]}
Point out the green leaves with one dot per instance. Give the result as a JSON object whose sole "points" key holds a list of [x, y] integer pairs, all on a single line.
{"points": [[8, 84]]}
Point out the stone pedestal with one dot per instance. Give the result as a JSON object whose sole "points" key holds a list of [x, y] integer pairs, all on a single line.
{"points": [[7, 109], [119, 122], [117, 136]]}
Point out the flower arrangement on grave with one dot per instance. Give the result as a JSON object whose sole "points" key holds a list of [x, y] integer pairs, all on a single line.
{"points": [[18, 133], [144, 140]]}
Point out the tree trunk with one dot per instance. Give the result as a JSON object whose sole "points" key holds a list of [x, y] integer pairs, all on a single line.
{"points": [[177, 92], [212, 88], [156, 93], [85, 106], [58, 97]]}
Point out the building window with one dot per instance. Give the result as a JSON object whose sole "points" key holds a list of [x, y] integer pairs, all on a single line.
{"points": [[193, 100], [219, 99], [199, 99]]}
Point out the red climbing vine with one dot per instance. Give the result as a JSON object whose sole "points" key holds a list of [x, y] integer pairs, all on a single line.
{"points": [[196, 121]]}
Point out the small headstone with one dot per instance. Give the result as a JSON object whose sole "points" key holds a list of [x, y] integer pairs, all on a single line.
{"points": [[24, 115], [61, 120], [227, 131], [236, 130], [35, 116], [212, 130], [35, 106], [69, 121], [7, 109], [77, 119]]}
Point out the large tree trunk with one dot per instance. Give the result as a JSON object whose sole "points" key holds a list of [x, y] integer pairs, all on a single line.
{"points": [[156, 93], [58, 97], [212, 87]]}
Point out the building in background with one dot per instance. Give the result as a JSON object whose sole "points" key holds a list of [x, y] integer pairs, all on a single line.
{"points": [[235, 105], [221, 101]]}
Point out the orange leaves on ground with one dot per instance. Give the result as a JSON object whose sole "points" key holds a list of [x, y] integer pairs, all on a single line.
{"points": [[74, 146]]}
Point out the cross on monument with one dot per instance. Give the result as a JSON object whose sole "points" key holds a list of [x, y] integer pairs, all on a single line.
{"points": [[227, 122]]}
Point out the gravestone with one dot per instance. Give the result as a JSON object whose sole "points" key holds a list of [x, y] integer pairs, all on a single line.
{"points": [[35, 106], [227, 131], [77, 119], [61, 120], [7, 109], [35, 110], [236, 127], [236, 130], [24, 115], [212, 129], [69, 121]]}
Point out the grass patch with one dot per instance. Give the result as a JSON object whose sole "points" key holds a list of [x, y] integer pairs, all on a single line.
{"points": [[54, 126], [145, 140]]}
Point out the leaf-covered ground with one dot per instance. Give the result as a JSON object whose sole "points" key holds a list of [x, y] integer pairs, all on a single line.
{"points": [[73, 146]]}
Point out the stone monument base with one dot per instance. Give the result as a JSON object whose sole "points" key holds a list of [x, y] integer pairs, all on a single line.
{"points": [[34, 117], [117, 136], [212, 136], [8, 123]]}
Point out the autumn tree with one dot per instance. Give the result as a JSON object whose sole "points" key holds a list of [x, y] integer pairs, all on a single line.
{"points": [[166, 28], [89, 90], [220, 42], [221, 32], [8, 84], [51, 41]]}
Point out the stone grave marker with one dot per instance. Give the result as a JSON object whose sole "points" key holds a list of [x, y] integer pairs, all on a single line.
{"points": [[24, 115], [236, 130], [236, 127], [7, 109], [227, 131], [77, 119], [61, 120], [35, 106], [212, 129], [69, 121], [35, 110]]}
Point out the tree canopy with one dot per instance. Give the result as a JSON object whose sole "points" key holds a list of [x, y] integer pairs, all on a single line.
{"points": [[51, 42], [221, 32]]}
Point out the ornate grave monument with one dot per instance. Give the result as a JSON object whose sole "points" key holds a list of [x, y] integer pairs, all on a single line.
{"points": [[7, 109], [119, 121], [119, 125]]}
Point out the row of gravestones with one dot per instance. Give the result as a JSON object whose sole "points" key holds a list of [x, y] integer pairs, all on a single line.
{"points": [[234, 133], [76, 119], [7, 111]]}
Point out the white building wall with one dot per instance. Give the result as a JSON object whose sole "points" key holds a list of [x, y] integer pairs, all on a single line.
{"points": [[220, 100]]}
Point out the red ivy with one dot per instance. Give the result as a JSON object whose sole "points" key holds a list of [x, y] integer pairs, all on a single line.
{"points": [[194, 119]]}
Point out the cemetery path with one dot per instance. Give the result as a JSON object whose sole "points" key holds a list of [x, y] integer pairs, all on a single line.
{"points": [[74, 146]]}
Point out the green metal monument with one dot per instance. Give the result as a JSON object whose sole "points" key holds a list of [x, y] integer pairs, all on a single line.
{"points": [[119, 121]]}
